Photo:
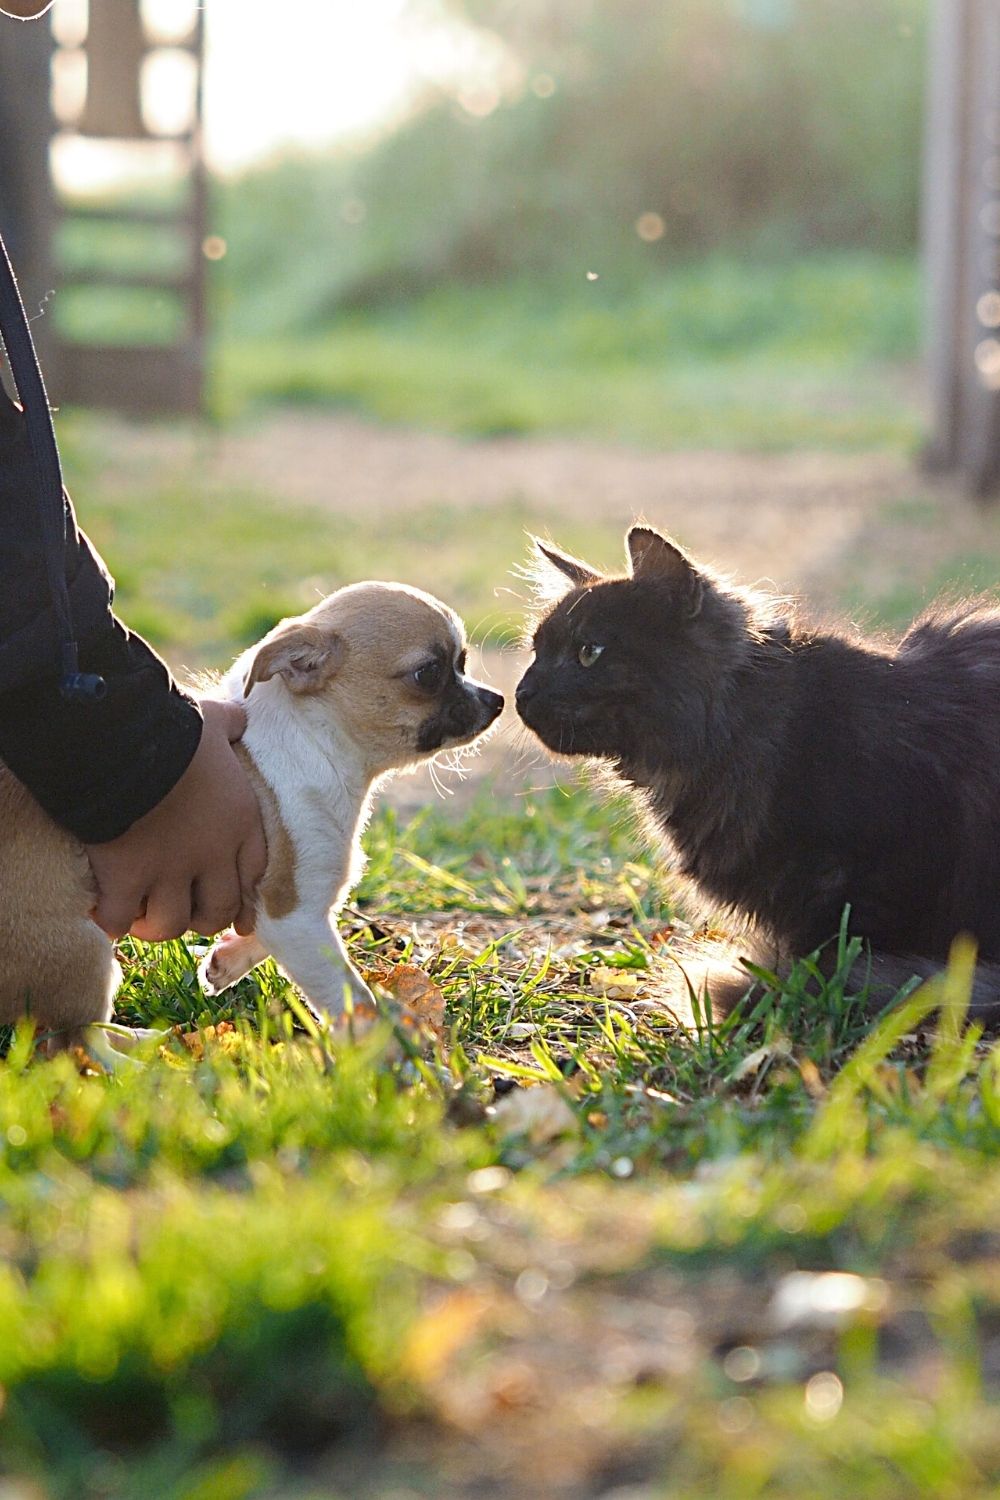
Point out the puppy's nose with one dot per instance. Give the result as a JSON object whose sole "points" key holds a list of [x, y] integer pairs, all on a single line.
{"points": [[491, 701]]}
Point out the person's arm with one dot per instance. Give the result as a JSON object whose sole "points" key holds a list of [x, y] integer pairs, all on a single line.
{"points": [[171, 824], [95, 766]]}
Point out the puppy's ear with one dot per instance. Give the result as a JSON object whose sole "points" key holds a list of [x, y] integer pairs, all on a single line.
{"points": [[304, 655], [652, 557], [578, 573]]}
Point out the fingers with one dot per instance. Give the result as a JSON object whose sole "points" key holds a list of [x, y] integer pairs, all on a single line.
{"points": [[167, 914], [251, 862], [216, 904], [245, 921], [230, 718], [117, 909]]}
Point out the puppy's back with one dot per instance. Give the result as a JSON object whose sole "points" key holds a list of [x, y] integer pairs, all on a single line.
{"points": [[57, 965]]}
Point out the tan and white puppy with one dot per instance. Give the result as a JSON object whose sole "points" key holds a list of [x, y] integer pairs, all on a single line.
{"points": [[369, 681]]}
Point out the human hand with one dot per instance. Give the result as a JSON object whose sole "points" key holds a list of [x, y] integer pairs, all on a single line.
{"points": [[194, 860]]}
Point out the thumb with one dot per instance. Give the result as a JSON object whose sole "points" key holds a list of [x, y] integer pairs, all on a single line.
{"points": [[230, 718]]}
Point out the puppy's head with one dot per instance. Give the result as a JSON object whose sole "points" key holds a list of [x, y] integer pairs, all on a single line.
{"points": [[389, 662]]}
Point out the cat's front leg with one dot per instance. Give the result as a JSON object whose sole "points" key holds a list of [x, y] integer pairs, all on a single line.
{"points": [[309, 950]]}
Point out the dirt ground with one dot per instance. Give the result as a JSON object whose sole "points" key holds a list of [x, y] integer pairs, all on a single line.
{"points": [[768, 517]]}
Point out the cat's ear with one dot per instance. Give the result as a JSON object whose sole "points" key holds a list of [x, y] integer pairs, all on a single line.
{"points": [[651, 557], [578, 573]]}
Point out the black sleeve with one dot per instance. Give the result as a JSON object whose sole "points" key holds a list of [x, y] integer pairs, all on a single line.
{"points": [[95, 767]]}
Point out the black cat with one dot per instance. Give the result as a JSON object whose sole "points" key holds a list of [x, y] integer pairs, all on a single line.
{"points": [[793, 769]]}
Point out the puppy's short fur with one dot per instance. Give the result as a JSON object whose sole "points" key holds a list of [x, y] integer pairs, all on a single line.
{"points": [[369, 681]]}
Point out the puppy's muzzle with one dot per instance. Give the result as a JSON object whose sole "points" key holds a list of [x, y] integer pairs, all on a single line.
{"points": [[468, 709], [491, 703]]}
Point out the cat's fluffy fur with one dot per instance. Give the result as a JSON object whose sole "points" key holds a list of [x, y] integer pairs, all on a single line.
{"points": [[794, 770]]}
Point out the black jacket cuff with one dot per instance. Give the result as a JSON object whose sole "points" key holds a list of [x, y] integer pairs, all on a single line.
{"points": [[97, 767]]}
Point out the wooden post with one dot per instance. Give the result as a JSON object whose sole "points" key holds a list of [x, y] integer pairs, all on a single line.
{"points": [[980, 327], [961, 235], [138, 376]]}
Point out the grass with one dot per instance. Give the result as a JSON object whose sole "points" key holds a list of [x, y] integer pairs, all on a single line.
{"points": [[715, 354], [531, 1238], [918, 550], [766, 356], [723, 352], [536, 1242]]}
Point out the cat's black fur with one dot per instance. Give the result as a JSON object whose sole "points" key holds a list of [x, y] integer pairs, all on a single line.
{"points": [[794, 770]]}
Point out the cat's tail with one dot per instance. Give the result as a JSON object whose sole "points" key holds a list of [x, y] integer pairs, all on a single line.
{"points": [[878, 977], [882, 975]]}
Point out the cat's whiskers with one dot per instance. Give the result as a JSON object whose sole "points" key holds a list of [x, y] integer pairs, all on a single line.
{"points": [[527, 752]]}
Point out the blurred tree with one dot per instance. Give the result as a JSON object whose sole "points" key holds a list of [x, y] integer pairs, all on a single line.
{"points": [[781, 123], [618, 132]]}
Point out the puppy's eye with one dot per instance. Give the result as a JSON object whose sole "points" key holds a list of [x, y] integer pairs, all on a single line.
{"points": [[429, 676], [588, 653]]}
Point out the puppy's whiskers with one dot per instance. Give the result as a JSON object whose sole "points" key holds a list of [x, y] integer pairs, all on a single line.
{"points": [[434, 771]]}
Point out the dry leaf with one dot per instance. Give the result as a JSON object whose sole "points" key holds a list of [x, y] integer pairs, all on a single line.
{"points": [[754, 1061], [223, 1037], [810, 1074], [418, 995], [661, 935], [614, 984], [541, 1113]]}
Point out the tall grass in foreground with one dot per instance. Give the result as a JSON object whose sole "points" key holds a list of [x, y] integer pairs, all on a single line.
{"points": [[775, 1240]]}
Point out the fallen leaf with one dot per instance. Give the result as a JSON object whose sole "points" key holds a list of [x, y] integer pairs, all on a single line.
{"points": [[754, 1061], [419, 997], [811, 1078], [661, 935], [223, 1037], [614, 984]]}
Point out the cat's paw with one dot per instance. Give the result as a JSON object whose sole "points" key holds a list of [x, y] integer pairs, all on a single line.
{"points": [[231, 957]]}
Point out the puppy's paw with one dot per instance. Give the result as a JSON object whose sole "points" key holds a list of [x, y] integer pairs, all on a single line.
{"points": [[230, 958]]}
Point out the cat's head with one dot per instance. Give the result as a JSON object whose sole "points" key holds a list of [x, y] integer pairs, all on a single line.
{"points": [[630, 668]]}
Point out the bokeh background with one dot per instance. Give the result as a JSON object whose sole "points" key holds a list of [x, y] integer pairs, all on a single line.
{"points": [[393, 285]]}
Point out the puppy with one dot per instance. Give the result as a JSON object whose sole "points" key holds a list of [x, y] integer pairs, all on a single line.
{"points": [[369, 681]]}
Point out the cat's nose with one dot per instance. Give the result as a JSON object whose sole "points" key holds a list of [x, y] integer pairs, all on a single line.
{"points": [[526, 690]]}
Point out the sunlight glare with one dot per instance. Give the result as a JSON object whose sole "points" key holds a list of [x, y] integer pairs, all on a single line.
{"points": [[988, 309], [167, 21], [331, 71], [314, 74]]}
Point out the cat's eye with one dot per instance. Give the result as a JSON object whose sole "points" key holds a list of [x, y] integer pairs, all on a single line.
{"points": [[588, 653], [428, 676]]}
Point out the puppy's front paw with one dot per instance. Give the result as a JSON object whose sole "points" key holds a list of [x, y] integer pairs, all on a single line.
{"points": [[230, 958]]}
